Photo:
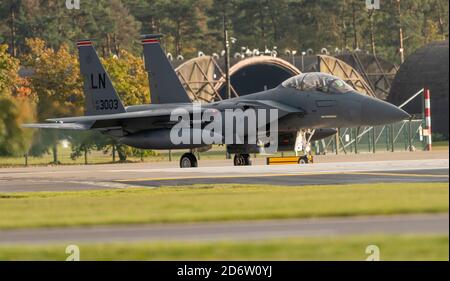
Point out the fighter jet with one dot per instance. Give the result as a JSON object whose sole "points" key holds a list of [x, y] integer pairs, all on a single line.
{"points": [[309, 103]]}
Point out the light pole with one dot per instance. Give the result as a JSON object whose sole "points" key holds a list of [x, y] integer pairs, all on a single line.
{"points": [[293, 57], [303, 61], [227, 56], [400, 33]]}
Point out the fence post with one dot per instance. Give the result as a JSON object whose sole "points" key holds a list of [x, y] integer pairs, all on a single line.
{"points": [[392, 138], [405, 137], [351, 138], [374, 145], [337, 140], [55, 154], [356, 140], [428, 119], [386, 128], [410, 134]]}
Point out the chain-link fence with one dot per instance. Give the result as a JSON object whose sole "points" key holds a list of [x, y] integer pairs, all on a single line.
{"points": [[403, 136]]}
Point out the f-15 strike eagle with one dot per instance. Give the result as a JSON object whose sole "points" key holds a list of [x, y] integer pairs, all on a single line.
{"points": [[309, 103]]}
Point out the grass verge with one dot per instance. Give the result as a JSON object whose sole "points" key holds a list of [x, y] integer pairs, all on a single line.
{"points": [[402, 247], [224, 203]]}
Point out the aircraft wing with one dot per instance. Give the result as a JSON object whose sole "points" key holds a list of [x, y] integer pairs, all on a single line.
{"points": [[60, 126], [117, 116], [110, 121], [154, 116]]}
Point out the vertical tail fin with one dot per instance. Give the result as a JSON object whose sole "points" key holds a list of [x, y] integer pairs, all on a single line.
{"points": [[101, 97], [165, 87]]}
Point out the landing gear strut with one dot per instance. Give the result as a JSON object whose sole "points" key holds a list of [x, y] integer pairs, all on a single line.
{"points": [[242, 160], [303, 144], [188, 160]]}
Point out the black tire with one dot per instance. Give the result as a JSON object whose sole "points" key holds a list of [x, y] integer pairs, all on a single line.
{"points": [[238, 160], [188, 160], [242, 160], [303, 160], [247, 160]]}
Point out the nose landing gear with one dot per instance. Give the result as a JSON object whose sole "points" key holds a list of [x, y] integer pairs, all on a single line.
{"points": [[303, 144]]}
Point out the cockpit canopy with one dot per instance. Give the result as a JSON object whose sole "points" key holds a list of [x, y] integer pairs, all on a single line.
{"points": [[316, 81]]}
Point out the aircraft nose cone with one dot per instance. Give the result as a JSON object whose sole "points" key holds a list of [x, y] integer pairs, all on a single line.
{"points": [[378, 112]]}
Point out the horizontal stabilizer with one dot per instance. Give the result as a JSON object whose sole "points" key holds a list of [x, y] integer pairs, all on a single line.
{"points": [[121, 116]]}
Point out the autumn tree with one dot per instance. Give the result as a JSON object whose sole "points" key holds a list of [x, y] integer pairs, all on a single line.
{"points": [[56, 86], [16, 107], [129, 77]]}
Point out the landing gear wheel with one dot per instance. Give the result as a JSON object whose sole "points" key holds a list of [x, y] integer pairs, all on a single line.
{"points": [[188, 160], [303, 160], [242, 160]]}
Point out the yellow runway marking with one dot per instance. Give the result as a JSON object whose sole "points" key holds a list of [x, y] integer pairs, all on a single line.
{"points": [[285, 175]]}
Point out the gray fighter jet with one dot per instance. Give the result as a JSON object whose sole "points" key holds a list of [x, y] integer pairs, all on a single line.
{"points": [[310, 103]]}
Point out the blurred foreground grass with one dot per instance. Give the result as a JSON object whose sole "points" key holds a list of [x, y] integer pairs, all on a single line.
{"points": [[217, 203], [398, 247]]}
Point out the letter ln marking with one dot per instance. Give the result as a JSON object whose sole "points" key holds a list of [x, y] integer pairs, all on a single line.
{"points": [[100, 83]]}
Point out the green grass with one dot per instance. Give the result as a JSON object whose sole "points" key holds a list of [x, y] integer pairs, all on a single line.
{"points": [[440, 145], [222, 203], [399, 247]]}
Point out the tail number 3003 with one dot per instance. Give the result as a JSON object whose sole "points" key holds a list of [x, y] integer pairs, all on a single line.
{"points": [[106, 104]]}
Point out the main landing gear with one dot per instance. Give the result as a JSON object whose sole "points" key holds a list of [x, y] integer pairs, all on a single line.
{"points": [[188, 160], [242, 160]]}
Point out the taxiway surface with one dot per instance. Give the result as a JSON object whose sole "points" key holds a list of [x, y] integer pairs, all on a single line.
{"points": [[155, 175]]}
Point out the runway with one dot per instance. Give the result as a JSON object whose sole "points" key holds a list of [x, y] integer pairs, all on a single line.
{"points": [[326, 178], [251, 230], [67, 178]]}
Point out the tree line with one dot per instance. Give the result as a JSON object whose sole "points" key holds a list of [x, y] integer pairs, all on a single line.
{"points": [[193, 25], [39, 75]]}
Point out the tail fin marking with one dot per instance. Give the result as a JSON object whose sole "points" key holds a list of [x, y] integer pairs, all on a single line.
{"points": [[101, 97]]}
